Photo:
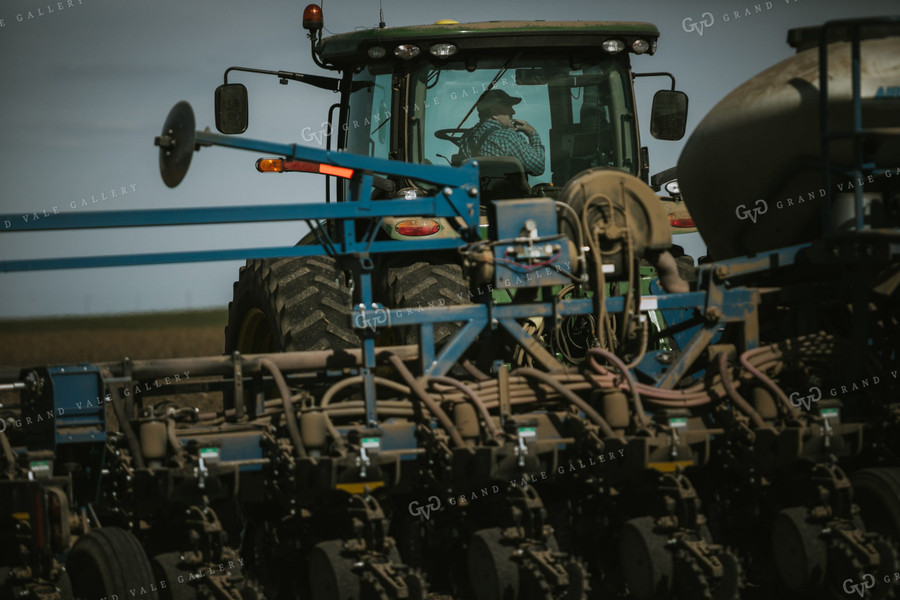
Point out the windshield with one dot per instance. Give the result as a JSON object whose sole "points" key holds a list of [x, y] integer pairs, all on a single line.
{"points": [[581, 115]]}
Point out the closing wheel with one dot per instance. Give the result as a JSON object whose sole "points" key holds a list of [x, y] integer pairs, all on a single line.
{"points": [[690, 580], [844, 565], [331, 575], [800, 554], [646, 562], [579, 586], [492, 572], [534, 585], [877, 492], [109, 561], [416, 585], [729, 586], [165, 568]]}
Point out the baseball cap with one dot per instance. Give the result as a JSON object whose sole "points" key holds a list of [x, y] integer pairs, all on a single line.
{"points": [[497, 98]]}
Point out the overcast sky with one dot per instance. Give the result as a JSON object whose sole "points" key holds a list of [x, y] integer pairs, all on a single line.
{"points": [[85, 88]]}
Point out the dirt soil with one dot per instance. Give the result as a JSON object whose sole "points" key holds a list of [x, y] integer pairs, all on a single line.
{"points": [[72, 340]]}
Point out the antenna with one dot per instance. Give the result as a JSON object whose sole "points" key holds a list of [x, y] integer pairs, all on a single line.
{"points": [[380, 15]]}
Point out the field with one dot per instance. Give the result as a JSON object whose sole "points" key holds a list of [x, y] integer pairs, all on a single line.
{"points": [[35, 342]]}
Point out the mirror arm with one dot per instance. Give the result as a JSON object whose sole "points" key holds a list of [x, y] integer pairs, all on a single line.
{"points": [[656, 74], [326, 83]]}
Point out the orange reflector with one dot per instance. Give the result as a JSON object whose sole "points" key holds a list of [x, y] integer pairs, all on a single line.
{"points": [[312, 17], [681, 221], [270, 165], [416, 227], [279, 165], [336, 171]]}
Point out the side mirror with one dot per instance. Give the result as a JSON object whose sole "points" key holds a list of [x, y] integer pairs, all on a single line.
{"points": [[231, 108], [668, 117]]}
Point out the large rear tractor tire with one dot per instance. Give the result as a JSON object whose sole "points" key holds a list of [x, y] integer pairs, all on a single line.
{"points": [[425, 284], [290, 304]]}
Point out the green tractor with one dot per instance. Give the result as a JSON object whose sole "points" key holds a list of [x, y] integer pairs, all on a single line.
{"points": [[415, 94]]}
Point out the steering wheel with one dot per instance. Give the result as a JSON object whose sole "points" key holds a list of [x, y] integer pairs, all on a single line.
{"points": [[451, 135]]}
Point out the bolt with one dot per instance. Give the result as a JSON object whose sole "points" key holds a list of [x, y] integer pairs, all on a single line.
{"points": [[713, 314], [721, 272], [473, 192]]}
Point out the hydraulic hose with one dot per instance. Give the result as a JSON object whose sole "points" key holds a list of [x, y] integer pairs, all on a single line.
{"points": [[357, 379], [289, 416], [773, 387], [173, 438], [569, 395], [426, 398], [632, 384], [476, 400], [8, 454], [722, 361]]}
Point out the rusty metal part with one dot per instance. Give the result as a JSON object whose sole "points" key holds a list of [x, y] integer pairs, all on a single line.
{"points": [[208, 366], [134, 444]]}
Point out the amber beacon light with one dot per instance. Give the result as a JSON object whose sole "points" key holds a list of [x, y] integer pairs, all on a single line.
{"points": [[312, 17]]}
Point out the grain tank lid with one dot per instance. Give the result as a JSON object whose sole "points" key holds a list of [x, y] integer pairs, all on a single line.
{"points": [[804, 38]]}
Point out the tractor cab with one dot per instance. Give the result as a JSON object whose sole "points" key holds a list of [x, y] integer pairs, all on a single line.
{"points": [[413, 93]]}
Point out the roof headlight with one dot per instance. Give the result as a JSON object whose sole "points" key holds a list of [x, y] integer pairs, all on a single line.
{"points": [[406, 51], [613, 46], [640, 46], [442, 50], [376, 52]]}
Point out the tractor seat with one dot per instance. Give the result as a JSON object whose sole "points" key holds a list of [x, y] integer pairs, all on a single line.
{"points": [[500, 177]]}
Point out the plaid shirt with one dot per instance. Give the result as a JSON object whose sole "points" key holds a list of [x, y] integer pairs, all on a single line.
{"points": [[489, 138]]}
